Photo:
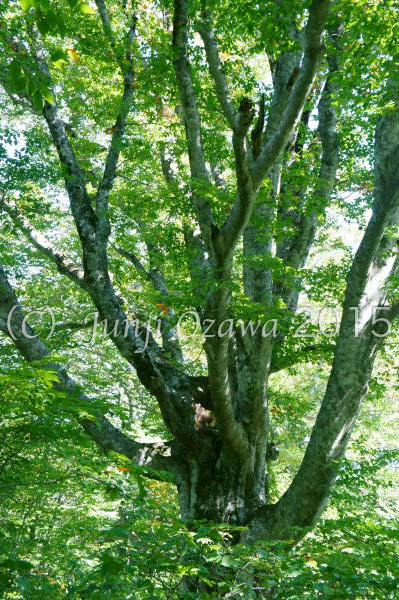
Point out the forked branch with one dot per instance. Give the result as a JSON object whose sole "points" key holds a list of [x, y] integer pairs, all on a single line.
{"points": [[192, 121]]}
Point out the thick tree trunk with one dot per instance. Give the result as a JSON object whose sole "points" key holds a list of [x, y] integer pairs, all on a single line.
{"points": [[216, 486]]}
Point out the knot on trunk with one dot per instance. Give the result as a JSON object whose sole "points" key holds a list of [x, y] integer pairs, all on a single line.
{"points": [[246, 105], [203, 417], [272, 451]]}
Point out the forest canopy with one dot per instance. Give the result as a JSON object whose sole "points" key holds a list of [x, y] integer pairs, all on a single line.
{"points": [[199, 208]]}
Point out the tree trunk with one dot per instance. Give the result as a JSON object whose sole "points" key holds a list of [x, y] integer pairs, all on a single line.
{"points": [[217, 487]]}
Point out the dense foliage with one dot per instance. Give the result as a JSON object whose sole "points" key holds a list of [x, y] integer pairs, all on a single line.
{"points": [[236, 160], [77, 525]]}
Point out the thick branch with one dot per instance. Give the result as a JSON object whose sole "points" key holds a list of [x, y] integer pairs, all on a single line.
{"points": [[156, 455], [83, 213], [187, 94], [171, 387], [167, 165], [327, 131], [168, 385], [313, 49], [295, 249], [120, 51], [241, 211], [250, 180], [230, 429], [102, 10], [198, 264]]}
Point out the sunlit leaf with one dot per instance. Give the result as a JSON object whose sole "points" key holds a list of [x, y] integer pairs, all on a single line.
{"points": [[26, 4], [73, 54], [86, 9]]}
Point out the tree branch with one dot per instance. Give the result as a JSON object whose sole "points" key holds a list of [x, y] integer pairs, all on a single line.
{"points": [[295, 250], [102, 10], [192, 121], [64, 264], [170, 386], [85, 218], [108, 437], [240, 213], [376, 260], [74, 325], [126, 65], [313, 49], [207, 33], [169, 334]]}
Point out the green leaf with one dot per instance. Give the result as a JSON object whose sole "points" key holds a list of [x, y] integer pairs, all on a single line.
{"points": [[228, 561], [30, 87], [85, 415], [26, 4], [58, 55], [13, 564], [111, 565], [14, 69], [17, 76], [61, 26], [41, 4], [37, 100], [52, 19], [59, 58], [42, 25], [117, 532], [85, 9]]}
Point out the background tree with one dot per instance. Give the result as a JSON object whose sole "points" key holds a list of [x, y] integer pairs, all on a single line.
{"points": [[223, 225]]}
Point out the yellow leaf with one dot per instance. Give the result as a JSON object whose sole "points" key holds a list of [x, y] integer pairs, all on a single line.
{"points": [[163, 307], [73, 54], [312, 563]]}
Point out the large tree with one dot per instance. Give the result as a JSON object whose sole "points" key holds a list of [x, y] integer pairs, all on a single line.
{"points": [[198, 145]]}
